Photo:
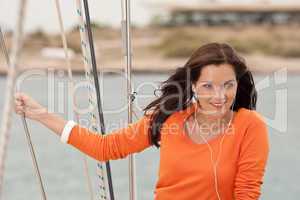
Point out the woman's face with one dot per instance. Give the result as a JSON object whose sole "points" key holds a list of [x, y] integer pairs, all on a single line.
{"points": [[216, 89]]}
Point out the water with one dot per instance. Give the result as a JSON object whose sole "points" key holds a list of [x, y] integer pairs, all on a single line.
{"points": [[62, 166]]}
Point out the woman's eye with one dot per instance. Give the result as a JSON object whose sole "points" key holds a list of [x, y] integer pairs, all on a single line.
{"points": [[229, 85], [208, 86]]}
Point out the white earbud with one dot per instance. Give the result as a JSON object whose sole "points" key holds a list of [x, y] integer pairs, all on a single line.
{"points": [[195, 93], [215, 164]]}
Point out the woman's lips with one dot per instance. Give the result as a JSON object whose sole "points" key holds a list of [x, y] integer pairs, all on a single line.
{"points": [[218, 105]]}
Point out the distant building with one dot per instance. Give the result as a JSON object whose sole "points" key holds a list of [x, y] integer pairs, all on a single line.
{"points": [[225, 14]]}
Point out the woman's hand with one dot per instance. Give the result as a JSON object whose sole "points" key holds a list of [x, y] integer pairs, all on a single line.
{"points": [[26, 105]]}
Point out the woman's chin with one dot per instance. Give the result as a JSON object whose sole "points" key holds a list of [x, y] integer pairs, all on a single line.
{"points": [[214, 113]]}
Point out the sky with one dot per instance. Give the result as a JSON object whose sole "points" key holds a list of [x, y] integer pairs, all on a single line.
{"points": [[41, 14]]}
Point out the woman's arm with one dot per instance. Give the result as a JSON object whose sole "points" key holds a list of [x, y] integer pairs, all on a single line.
{"points": [[118, 144], [115, 145], [252, 161], [25, 105]]}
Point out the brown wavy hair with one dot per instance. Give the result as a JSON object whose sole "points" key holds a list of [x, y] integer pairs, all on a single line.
{"points": [[176, 92]]}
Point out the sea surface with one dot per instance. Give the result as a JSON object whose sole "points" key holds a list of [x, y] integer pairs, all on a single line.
{"points": [[62, 166]]}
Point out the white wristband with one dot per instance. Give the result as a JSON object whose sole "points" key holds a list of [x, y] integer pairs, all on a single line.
{"points": [[67, 131]]}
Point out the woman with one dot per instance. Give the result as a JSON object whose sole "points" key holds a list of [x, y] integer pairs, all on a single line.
{"points": [[213, 145]]}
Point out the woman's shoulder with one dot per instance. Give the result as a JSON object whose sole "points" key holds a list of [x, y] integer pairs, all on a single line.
{"points": [[253, 128], [251, 115], [181, 115], [251, 120]]}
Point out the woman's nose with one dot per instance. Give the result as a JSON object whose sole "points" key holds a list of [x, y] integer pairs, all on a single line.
{"points": [[219, 93]]}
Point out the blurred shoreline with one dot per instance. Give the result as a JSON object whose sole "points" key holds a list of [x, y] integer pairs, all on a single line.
{"points": [[257, 64], [163, 49]]}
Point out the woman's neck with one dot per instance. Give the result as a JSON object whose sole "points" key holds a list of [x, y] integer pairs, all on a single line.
{"points": [[202, 117]]}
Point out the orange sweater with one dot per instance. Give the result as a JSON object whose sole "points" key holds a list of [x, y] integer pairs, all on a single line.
{"points": [[185, 171]]}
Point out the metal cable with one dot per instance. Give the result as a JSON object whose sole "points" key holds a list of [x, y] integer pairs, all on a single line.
{"points": [[92, 76], [97, 87], [71, 80], [127, 51], [12, 70]]}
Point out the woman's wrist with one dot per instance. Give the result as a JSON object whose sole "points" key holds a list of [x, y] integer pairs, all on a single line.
{"points": [[54, 122], [45, 117]]}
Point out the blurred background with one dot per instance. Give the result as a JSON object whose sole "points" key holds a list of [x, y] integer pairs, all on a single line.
{"points": [[165, 33]]}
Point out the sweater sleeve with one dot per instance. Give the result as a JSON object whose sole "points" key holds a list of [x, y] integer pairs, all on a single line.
{"points": [[252, 161], [115, 145]]}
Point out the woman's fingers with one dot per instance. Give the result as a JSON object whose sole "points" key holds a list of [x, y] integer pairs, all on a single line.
{"points": [[21, 96], [18, 96], [24, 104], [19, 99], [19, 109], [18, 103], [20, 112]]}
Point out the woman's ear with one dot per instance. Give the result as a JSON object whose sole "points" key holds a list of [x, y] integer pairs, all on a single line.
{"points": [[193, 88], [194, 92]]}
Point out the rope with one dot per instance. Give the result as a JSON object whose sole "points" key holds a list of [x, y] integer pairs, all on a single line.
{"points": [[92, 77], [36, 167], [12, 71], [11, 76], [3, 46], [71, 80], [126, 37]]}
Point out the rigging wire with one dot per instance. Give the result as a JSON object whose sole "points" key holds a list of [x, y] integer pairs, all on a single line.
{"points": [[12, 63], [90, 60], [127, 51], [71, 80]]}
